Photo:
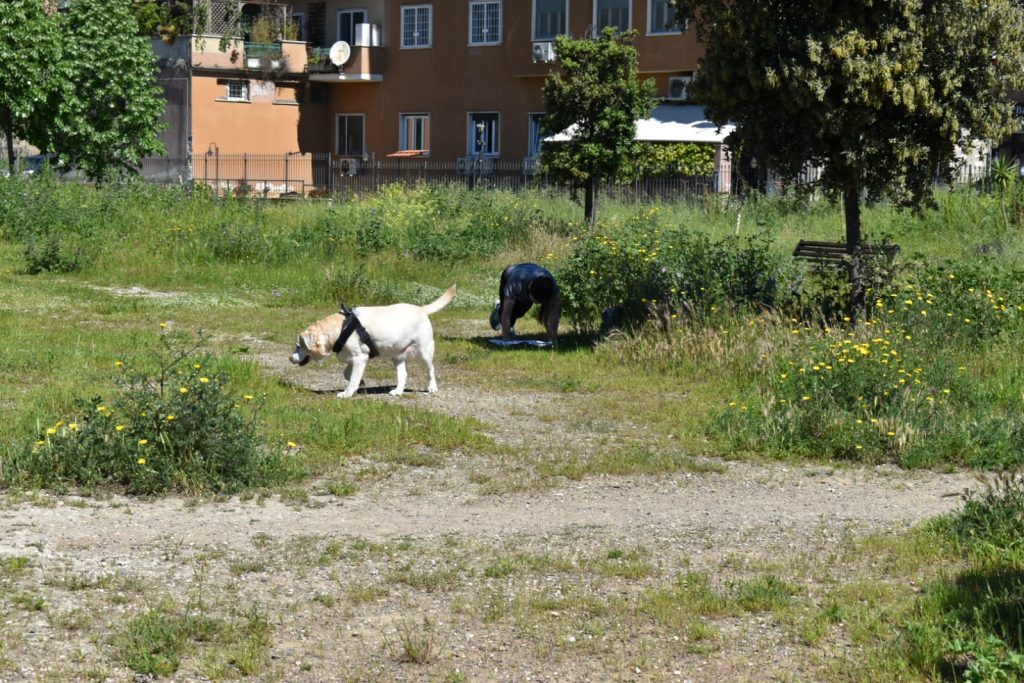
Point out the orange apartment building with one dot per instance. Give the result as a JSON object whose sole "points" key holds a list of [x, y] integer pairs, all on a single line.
{"points": [[441, 79]]}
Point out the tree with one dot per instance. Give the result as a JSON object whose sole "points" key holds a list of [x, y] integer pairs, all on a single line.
{"points": [[596, 97], [27, 49], [165, 18], [106, 105], [879, 93]]}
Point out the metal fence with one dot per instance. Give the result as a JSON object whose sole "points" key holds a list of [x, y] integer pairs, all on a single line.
{"points": [[275, 175]]}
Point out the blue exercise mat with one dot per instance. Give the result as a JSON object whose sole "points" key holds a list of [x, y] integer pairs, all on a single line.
{"points": [[540, 344]]}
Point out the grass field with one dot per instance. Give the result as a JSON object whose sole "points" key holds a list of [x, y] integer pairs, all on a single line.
{"points": [[179, 289]]}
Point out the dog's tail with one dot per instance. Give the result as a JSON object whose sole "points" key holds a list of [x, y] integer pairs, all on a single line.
{"points": [[441, 301]]}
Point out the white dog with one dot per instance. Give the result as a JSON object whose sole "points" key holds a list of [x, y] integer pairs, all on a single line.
{"points": [[356, 335]]}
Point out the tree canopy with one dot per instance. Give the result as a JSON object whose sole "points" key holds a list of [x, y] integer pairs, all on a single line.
{"points": [[595, 96], [881, 94], [107, 116], [27, 49], [80, 84]]}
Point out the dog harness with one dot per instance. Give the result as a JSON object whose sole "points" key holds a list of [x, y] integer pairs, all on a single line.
{"points": [[351, 325]]}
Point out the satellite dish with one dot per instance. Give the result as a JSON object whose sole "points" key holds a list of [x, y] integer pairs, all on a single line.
{"points": [[340, 52]]}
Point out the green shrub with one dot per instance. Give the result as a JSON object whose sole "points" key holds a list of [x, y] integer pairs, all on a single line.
{"points": [[639, 265], [685, 158], [443, 223], [177, 428]]}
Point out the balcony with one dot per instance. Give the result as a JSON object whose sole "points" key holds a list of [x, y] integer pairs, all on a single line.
{"points": [[366, 64], [267, 59]]}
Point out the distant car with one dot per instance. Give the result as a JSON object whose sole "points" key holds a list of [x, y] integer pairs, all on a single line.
{"points": [[34, 163]]}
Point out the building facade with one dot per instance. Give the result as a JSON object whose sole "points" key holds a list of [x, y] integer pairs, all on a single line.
{"points": [[437, 79]]}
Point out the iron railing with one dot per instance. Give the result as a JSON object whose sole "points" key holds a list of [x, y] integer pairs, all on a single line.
{"points": [[275, 175], [327, 175]]}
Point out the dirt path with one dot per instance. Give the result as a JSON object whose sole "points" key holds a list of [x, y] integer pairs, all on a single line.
{"points": [[312, 564]]}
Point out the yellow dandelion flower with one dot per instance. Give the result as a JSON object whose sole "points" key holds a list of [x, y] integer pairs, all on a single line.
{"points": [[806, 398], [292, 444], [119, 428], [247, 397], [40, 442], [891, 433], [143, 442], [183, 390], [163, 325], [170, 418], [73, 426], [197, 366], [118, 363], [51, 430], [204, 380], [142, 461]]}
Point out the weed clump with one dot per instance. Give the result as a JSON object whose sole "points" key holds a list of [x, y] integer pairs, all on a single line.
{"points": [[175, 429], [968, 626]]}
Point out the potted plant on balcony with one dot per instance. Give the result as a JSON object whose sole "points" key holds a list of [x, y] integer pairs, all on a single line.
{"points": [[263, 50]]}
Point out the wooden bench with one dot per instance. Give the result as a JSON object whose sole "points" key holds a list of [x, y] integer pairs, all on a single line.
{"points": [[834, 253]]}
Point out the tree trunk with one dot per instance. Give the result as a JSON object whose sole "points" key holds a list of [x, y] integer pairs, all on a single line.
{"points": [[10, 148], [851, 211], [590, 202]]}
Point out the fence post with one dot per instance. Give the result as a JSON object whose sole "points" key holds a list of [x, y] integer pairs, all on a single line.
{"points": [[330, 174], [286, 155], [245, 169]]}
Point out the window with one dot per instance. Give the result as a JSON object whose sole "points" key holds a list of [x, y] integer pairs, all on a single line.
{"points": [[611, 13], [318, 93], [483, 135], [416, 25], [415, 131], [237, 91], [350, 135], [299, 21], [549, 18], [347, 20], [535, 138], [662, 17], [484, 22]]}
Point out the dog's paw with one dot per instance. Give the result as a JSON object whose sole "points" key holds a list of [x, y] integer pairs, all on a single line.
{"points": [[432, 389], [345, 394], [396, 392]]}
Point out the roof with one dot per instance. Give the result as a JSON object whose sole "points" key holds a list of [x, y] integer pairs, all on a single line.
{"points": [[671, 123]]}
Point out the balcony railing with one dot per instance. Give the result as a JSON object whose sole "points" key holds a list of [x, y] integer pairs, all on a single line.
{"points": [[270, 50]]}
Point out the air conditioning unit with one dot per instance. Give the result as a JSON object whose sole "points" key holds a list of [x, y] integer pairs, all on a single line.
{"points": [[350, 165], [679, 88], [543, 52], [366, 35], [474, 165]]}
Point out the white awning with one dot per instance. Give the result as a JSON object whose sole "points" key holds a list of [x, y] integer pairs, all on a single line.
{"points": [[671, 123]]}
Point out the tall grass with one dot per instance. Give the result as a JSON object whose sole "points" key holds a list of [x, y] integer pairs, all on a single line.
{"points": [[714, 301]]}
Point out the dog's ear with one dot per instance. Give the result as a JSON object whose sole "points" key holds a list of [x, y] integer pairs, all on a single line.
{"points": [[307, 341], [322, 344]]}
